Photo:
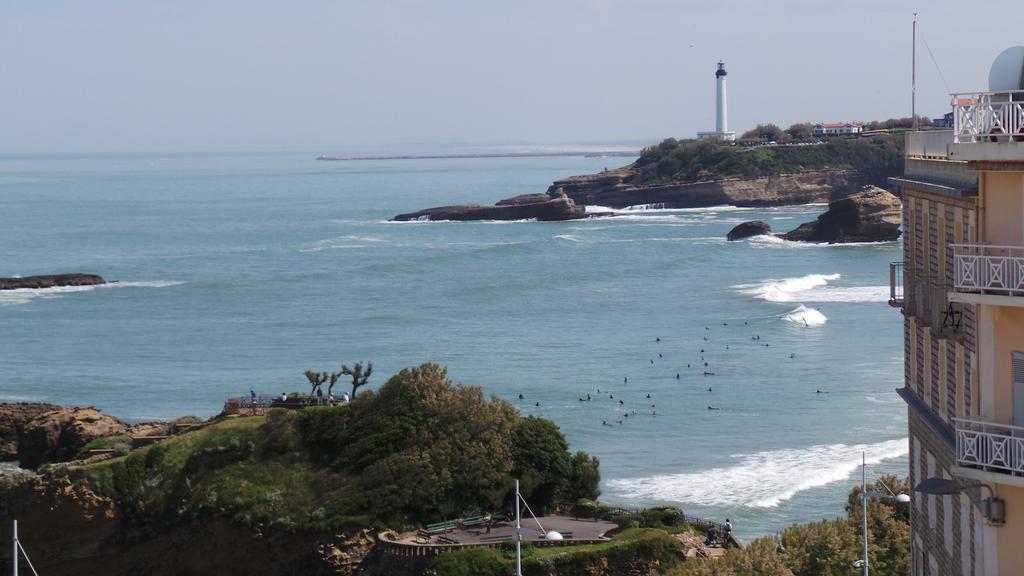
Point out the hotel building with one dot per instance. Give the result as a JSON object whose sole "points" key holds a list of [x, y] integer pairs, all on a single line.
{"points": [[960, 287]]}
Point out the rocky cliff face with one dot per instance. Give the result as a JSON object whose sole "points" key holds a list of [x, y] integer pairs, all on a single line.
{"points": [[871, 215], [13, 418], [58, 433], [615, 189]]}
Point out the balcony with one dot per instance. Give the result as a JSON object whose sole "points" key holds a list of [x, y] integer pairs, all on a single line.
{"points": [[988, 270], [989, 447], [988, 126], [988, 116], [896, 284]]}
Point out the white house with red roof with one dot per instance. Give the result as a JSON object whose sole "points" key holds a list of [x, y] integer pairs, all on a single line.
{"points": [[837, 129]]}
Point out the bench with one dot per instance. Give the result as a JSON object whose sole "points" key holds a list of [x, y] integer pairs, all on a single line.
{"points": [[440, 527], [505, 538], [447, 540], [499, 517], [566, 535], [474, 521]]}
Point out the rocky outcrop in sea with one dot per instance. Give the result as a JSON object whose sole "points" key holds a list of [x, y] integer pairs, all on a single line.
{"points": [[51, 281], [748, 229], [871, 215], [542, 207]]}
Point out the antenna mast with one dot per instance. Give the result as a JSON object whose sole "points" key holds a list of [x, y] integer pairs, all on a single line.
{"points": [[913, 74]]}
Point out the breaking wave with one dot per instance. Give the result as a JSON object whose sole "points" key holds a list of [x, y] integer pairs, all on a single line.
{"points": [[763, 479], [813, 288], [26, 295], [804, 316]]}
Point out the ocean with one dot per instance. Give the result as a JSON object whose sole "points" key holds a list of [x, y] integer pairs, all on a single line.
{"points": [[247, 269]]}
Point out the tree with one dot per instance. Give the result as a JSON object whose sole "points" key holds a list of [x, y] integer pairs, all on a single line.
{"points": [[420, 446], [315, 380], [359, 378], [769, 132], [801, 131], [335, 376], [540, 459], [584, 478]]}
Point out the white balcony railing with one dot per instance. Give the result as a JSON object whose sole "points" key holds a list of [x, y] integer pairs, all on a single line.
{"points": [[989, 446], [989, 269], [988, 116]]}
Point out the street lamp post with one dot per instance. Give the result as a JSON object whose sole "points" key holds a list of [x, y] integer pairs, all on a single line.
{"points": [[864, 495], [519, 536]]}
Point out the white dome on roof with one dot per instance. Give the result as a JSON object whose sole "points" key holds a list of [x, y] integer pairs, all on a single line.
{"points": [[1007, 72], [553, 535]]}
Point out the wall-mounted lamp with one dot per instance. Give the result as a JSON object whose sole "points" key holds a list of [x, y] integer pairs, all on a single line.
{"points": [[994, 509]]}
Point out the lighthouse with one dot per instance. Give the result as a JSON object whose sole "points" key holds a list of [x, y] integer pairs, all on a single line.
{"points": [[721, 110], [721, 106]]}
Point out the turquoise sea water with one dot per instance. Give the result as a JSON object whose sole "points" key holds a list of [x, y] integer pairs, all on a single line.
{"points": [[249, 269]]}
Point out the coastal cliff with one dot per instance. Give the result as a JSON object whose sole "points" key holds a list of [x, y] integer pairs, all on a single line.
{"points": [[616, 189], [694, 174]]}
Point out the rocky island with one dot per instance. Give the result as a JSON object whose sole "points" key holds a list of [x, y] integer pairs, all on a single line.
{"points": [[50, 281], [870, 215]]}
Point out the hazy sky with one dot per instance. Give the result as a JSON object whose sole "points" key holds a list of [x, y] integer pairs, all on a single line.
{"points": [[321, 74]]}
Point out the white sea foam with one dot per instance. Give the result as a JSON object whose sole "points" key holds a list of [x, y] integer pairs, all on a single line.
{"points": [[772, 241], [813, 288], [26, 295], [344, 242], [804, 316], [568, 238], [763, 479]]}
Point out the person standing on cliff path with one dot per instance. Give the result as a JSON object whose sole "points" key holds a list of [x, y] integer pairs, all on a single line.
{"points": [[252, 399], [319, 395]]}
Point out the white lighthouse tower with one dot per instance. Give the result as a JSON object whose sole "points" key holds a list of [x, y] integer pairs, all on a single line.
{"points": [[721, 110]]}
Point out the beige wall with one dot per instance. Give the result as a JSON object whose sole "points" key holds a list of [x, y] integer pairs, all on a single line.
{"points": [[1003, 198], [1011, 535], [1008, 337]]}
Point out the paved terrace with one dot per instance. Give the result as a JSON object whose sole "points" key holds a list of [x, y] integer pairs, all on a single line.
{"points": [[581, 529]]}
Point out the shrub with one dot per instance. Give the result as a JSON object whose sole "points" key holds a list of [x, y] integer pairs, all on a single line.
{"points": [[476, 562], [121, 444]]}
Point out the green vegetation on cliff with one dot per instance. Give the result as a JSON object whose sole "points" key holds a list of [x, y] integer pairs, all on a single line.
{"points": [[828, 547], [420, 449], [689, 160]]}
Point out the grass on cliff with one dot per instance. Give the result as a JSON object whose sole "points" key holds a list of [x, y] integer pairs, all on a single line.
{"points": [[688, 160], [421, 449]]}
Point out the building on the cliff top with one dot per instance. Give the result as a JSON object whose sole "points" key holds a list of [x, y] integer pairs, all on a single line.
{"points": [[961, 290], [837, 129], [721, 132]]}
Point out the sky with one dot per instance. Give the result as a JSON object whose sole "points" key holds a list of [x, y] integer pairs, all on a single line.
{"points": [[227, 75]]}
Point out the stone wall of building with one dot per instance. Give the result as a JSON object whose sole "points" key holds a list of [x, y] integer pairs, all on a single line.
{"points": [[941, 370]]}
